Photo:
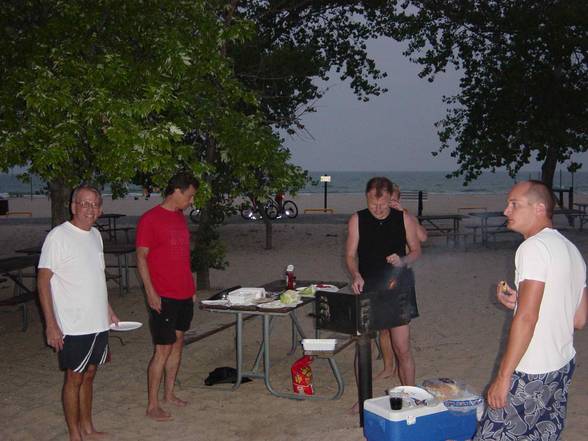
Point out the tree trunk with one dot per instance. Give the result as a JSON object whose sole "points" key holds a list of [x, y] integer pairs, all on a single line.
{"points": [[60, 198], [548, 167], [268, 233], [203, 275], [203, 278]]}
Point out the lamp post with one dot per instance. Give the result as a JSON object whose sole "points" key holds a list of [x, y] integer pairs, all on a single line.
{"points": [[326, 179]]}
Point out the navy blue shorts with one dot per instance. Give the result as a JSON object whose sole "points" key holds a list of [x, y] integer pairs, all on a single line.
{"points": [[176, 315], [81, 350]]}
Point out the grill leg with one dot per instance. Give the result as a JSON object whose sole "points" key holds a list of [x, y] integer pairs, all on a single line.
{"points": [[364, 364]]}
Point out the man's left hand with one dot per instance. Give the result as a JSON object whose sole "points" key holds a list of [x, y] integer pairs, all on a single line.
{"points": [[114, 318], [498, 392], [395, 260]]}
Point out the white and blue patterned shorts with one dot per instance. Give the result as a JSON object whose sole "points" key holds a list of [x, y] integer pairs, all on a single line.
{"points": [[536, 409]]}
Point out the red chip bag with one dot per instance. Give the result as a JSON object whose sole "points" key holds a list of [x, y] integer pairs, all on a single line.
{"points": [[302, 376]]}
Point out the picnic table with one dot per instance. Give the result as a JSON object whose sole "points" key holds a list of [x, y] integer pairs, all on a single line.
{"points": [[242, 312], [572, 214], [437, 223], [12, 267], [486, 227], [120, 251], [109, 227]]}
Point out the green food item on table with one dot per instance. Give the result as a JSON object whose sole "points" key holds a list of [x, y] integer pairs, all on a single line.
{"points": [[289, 297], [309, 291]]}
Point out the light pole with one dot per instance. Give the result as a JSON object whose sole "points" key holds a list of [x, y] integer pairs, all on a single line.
{"points": [[326, 179]]}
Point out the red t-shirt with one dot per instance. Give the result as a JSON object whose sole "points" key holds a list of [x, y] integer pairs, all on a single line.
{"points": [[166, 235]]}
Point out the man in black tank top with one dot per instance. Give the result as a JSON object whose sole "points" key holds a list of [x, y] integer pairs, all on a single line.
{"points": [[377, 259]]}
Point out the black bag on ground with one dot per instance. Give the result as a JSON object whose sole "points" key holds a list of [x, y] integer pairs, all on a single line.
{"points": [[224, 374]]}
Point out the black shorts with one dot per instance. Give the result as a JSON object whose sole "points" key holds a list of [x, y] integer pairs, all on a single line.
{"points": [[392, 307], [81, 350], [176, 315]]}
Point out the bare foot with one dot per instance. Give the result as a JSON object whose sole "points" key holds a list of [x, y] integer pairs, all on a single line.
{"points": [[385, 374], [158, 414], [176, 401]]}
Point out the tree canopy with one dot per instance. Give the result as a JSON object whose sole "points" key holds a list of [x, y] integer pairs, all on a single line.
{"points": [[101, 91], [297, 42], [524, 87]]}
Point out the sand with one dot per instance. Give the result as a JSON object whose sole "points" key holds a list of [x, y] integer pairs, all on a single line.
{"points": [[459, 334]]}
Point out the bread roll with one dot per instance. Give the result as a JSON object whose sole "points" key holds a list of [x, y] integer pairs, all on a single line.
{"points": [[442, 388]]}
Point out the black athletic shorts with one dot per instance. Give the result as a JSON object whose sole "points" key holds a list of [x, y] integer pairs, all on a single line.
{"points": [[176, 315], [81, 350]]}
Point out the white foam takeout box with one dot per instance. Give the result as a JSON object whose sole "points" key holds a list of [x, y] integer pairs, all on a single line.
{"points": [[319, 344], [245, 296]]}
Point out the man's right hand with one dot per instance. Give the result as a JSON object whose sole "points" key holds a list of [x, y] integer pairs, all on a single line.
{"points": [[506, 295], [357, 284], [54, 337], [154, 302]]}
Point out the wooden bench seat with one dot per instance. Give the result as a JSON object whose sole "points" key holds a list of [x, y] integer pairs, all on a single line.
{"points": [[439, 232], [18, 299]]}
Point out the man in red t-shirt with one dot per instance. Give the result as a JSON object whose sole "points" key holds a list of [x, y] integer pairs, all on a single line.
{"points": [[163, 260]]}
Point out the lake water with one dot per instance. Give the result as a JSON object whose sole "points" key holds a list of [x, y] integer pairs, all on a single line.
{"points": [[354, 182]]}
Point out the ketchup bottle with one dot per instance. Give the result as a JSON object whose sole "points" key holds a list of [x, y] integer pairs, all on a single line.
{"points": [[290, 277]]}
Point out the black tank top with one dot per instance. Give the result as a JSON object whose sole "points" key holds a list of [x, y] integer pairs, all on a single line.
{"points": [[378, 239]]}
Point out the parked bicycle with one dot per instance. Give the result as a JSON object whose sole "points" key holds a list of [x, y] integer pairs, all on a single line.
{"points": [[196, 213], [270, 209]]}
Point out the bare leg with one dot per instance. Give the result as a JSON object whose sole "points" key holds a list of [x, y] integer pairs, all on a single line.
{"points": [[387, 355], [172, 366], [86, 395], [154, 375], [401, 344], [71, 404]]}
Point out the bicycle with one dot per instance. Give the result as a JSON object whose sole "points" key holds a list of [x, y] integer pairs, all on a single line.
{"points": [[196, 213], [271, 209]]}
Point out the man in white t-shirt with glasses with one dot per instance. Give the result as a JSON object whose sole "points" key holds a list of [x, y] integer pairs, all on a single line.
{"points": [[74, 299], [527, 398]]}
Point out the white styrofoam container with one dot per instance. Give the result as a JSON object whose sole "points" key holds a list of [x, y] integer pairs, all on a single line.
{"points": [[420, 423], [319, 344], [245, 296]]}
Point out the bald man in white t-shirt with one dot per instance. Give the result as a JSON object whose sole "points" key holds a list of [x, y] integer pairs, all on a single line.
{"points": [[73, 296], [528, 397]]}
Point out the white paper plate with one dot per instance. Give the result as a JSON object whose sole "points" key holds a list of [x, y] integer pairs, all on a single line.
{"points": [[326, 287], [125, 326], [411, 392]]}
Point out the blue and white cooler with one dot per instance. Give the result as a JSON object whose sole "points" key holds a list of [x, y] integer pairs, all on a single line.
{"points": [[423, 417]]}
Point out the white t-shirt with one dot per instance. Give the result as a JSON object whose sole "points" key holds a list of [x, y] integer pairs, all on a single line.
{"points": [[78, 285], [551, 258]]}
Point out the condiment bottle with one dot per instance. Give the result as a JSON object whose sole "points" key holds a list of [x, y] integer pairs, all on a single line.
{"points": [[290, 277]]}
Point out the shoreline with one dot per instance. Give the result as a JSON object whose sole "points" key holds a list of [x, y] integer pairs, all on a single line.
{"points": [[341, 203]]}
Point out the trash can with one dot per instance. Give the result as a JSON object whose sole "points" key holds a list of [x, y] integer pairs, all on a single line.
{"points": [[3, 206]]}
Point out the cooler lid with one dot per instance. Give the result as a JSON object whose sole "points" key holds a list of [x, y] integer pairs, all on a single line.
{"points": [[381, 406]]}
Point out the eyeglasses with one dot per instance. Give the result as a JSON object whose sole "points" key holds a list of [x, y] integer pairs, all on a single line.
{"points": [[87, 205]]}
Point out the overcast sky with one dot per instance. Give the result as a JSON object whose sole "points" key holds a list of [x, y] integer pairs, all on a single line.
{"points": [[391, 132], [394, 131]]}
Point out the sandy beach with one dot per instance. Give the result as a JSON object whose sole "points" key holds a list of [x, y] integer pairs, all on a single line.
{"points": [[459, 334]]}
